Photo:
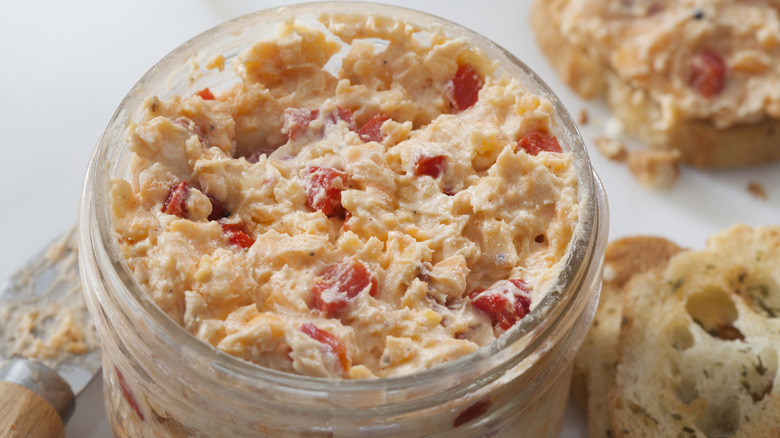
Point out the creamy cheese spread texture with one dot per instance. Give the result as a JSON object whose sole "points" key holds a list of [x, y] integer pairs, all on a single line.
{"points": [[44, 314], [715, 59], [375, 218]]}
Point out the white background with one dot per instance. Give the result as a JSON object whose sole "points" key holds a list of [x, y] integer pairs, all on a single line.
{"points": [[65, 66]]}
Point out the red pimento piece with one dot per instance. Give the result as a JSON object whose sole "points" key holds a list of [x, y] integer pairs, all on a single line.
{"points": [[465, 87], [372, 130], [708, 73], [323, 189], [206, 94], [128, 393], [296, 121], [191, 126], [506, 303], [339, 283], [538, 141], [217, 209], [344, 114], [176, 202], [432, 166], [236, 235], [333, 345], [471, 413]]}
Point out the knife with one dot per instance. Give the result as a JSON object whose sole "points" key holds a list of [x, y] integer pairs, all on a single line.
{"points": [[48, 345]]}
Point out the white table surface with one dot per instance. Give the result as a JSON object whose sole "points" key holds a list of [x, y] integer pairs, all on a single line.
{"points": [[67, 65]]}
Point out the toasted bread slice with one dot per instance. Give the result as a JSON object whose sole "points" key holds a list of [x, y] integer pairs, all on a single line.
{"points": [[640, 56], [582, 72], [699, 341], [699, 142], [594, 366]]}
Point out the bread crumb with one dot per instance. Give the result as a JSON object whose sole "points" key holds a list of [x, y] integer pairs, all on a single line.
{"points": [[757, 189], [613, 127], [610, 272], [611, 148], [654, 168], [583, 119]]}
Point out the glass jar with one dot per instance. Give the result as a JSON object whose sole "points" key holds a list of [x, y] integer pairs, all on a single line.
{"points": [[159, 380]]}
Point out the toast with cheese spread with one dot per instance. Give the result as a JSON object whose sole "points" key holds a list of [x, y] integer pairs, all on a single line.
{"points": [[701, 78]]}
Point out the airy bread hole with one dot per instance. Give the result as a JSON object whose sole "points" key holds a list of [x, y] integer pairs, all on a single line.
{"points": [[674, 368], [721, 419], [714, 311], [759, 378], [681, 337], [762, 392], [761, 293], [686, 391], [767, 362]]}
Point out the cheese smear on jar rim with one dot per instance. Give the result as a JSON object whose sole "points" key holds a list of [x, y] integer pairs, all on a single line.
{"points": [[369, 199]]}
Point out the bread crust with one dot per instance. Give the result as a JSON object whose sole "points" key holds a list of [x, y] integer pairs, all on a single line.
{"points": [[595, 364], [700, 142]]}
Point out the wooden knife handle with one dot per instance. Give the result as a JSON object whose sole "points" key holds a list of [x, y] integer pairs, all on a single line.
{"points": [[25, 414]]}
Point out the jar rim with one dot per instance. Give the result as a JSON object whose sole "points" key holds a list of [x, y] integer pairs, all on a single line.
{"points": [[583, 257]]}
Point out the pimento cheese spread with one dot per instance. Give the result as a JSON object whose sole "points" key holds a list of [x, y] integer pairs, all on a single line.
{"points": [[700, 60], [369, 199]]}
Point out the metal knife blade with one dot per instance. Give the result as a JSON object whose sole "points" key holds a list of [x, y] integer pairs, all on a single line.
{"points": [[45, 318]]}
